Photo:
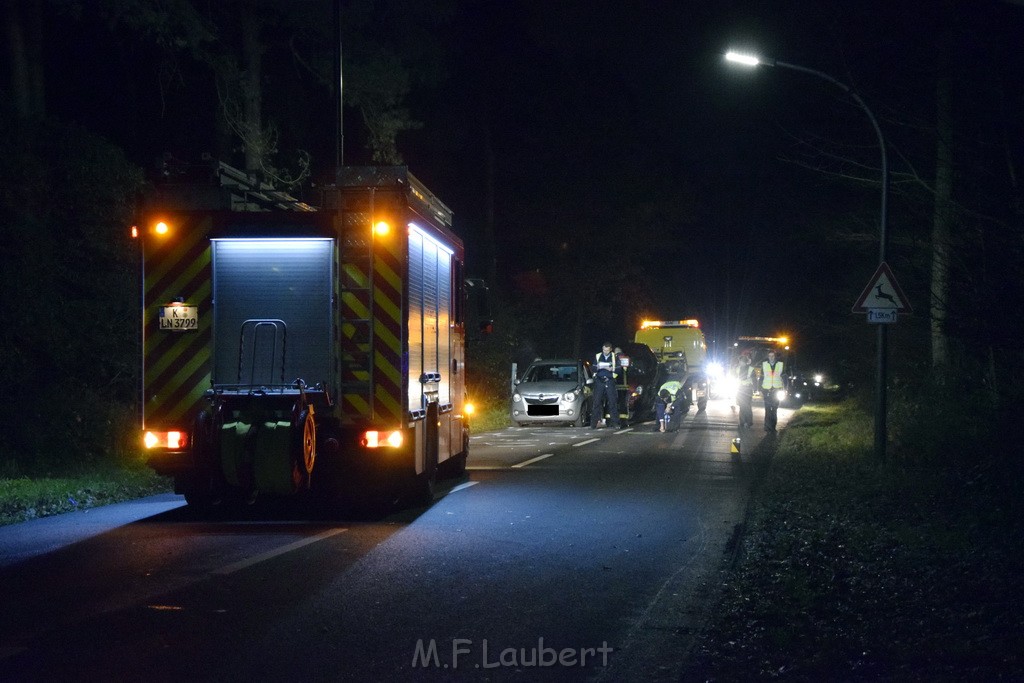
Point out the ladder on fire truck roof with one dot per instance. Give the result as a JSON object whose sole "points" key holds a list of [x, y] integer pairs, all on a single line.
{"points": [[251, 194]]}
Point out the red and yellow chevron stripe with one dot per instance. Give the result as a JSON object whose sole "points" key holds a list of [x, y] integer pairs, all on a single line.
{"points": [[389, 385], [176, 365]]}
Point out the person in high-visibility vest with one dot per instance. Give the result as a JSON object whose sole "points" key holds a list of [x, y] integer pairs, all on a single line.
{"points": [[606, 369], [771, 384], [745, 391]]}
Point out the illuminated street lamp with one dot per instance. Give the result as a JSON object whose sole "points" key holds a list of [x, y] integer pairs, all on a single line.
{"points": [[880, 391]]}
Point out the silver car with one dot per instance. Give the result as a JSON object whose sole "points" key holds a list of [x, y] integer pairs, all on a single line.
{"points": [[554, 390]]}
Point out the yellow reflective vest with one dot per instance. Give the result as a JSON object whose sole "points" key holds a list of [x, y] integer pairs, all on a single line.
{"points": [[771, 377]]}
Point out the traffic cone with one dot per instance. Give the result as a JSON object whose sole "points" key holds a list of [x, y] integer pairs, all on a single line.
{"points": [[735, 446]]}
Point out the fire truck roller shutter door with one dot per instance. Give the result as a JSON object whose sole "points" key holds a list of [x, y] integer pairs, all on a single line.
{"points": [[284, 279]]}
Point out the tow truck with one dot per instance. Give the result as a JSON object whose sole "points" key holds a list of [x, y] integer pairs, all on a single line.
{"points": [[757, 348], [682, 354]]}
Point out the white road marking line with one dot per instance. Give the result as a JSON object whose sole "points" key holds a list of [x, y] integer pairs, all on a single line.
{"points": [[242, 564], [584, 443], [464, 485], [485, 468], [533, 460]]}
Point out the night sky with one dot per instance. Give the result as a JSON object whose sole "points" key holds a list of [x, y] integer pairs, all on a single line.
{"points": [[607, 110]]}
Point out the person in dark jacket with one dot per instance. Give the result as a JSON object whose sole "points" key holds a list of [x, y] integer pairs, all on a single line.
{"points": [[606, 369], [745, 391]]}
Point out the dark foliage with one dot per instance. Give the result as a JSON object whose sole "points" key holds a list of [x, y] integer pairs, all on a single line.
{"points": [[854, 570], [70, 277]]}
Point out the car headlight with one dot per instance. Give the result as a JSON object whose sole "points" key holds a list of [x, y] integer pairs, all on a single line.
{"points": [[715, 370], [516, 398], [780, 395], [569, 396]]}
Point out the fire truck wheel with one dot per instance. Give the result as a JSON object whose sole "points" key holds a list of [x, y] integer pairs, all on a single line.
{"points": [[304, 446], [203, 488], [455, 466], [425, 482], [424, 485], [201, 497]]}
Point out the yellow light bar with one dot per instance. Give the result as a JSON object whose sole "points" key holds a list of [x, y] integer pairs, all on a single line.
{"points": [[773, 340], [171, 440], [691, 322], [375, 439]]}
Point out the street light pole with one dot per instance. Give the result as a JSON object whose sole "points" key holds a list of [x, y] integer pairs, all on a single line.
{"points": [[882, 364]]}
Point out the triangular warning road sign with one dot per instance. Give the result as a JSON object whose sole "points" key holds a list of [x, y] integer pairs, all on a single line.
{"points": [[882, 292]]}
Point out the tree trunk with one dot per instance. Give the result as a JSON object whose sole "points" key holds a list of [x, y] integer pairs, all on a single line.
{"points": [[22, 27], [942, 219], [490, 245], [252, 123]]}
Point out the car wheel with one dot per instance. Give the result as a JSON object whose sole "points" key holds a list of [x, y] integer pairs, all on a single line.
{"points": [[579, 422]]}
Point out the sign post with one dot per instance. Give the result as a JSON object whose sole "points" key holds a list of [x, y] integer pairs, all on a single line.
{"points": [[882, 300]]}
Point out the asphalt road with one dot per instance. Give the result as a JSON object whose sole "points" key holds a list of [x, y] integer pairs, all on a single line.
{"points": [[565, 554]]}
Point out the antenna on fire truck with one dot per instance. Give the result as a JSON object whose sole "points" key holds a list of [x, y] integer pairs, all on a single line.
{"points": [[339, 123]]}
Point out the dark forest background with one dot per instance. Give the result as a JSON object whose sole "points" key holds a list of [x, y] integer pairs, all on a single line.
{"points": [[603, 163]]}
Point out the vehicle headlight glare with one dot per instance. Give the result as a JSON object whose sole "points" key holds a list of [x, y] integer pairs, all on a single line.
{"points": [[569, 396], [516, 398]]}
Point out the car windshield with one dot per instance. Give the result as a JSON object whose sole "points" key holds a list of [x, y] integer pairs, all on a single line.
{"points": [[552, 373]]}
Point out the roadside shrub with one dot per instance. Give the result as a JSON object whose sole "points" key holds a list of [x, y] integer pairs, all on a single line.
{"points": [[950, 421], [71, 352]]}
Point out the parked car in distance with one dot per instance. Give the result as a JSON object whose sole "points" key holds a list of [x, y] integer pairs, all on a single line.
{"points": [[552, 390]]}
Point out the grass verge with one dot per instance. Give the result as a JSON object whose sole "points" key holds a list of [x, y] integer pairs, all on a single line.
{"points": [[856, 570], [490, 420], [28, 497]]}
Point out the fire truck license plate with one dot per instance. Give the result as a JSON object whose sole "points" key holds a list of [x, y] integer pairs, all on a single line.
{"points": [[179, 318]]}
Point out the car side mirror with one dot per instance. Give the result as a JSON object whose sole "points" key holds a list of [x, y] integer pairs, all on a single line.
{"points": [[590, 380]]}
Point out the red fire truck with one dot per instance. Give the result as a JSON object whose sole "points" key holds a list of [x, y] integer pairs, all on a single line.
{"points": [[291, 348]]}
